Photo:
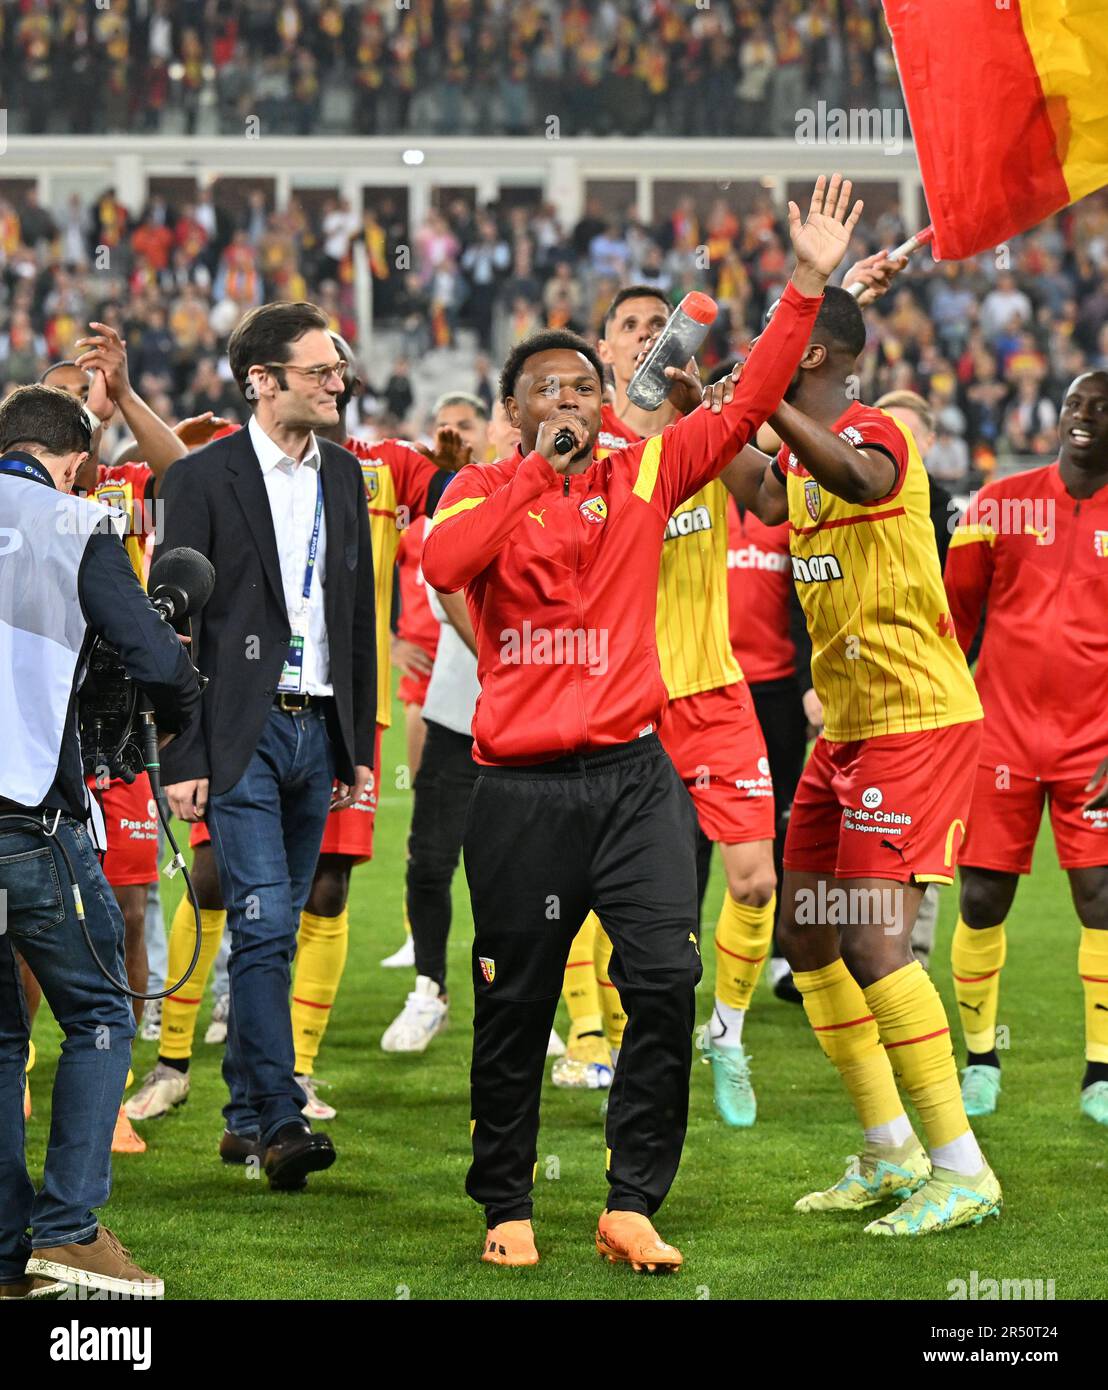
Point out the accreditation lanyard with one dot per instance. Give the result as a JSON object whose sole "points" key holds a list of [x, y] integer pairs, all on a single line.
{"points": [[292, 672], [26, 470]]}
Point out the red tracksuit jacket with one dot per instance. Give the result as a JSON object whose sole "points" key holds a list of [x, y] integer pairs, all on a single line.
{"points": [[561, 573], [1036, 560]]}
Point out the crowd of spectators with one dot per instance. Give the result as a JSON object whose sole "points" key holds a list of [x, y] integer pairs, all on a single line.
{"points": [[991, 342], [425, 67]]}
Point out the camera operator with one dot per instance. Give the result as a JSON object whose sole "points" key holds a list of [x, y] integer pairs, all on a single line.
{"points": [[64, 580]]}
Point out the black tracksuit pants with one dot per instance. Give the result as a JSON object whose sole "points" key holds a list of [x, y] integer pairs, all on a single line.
{"points": [[443, 786], [615, 831]]}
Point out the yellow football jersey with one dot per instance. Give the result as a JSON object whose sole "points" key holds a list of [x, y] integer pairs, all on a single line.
{"points": [[694, 637], [126, 488], [396, 476], [885, 658]]}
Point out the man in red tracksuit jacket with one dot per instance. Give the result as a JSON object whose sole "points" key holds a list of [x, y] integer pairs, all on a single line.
{"points": [[577, 806], [1032, 553]]}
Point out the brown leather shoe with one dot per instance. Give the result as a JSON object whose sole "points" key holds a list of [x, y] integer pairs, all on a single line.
{"points": [[240, 1148], [102, 1264], [32, 1288], [296, 1152]]}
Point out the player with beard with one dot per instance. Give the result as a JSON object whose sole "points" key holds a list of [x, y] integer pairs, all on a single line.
{"points": [[711, 733], [1031, 553]]}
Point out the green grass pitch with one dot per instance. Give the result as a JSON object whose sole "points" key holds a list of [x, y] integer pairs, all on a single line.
{"points": [[391, 1220]]}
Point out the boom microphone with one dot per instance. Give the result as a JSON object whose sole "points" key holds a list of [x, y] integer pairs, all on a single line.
{"points": [[564, 442], [181, 583]]}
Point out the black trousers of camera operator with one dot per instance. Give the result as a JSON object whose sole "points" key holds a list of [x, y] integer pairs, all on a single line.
{"points": [[613, 830]]}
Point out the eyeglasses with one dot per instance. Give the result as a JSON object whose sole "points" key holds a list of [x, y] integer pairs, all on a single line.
{"points": [[319, 374]]}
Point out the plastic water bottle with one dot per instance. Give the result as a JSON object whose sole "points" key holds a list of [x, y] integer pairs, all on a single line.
{"points": [[681, 338]]}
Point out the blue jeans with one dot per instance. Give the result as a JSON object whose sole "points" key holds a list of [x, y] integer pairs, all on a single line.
{"points": [[266, 832], [41, 923]]}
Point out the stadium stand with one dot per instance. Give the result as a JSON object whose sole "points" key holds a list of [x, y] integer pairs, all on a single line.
{"points": [[667, 67], [992, 349]]}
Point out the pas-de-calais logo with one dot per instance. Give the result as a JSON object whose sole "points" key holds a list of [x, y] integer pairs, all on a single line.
{"points": [[811, 498], [371, 480], [872, 797], [1100, 544], [594, 509], [763, 767], [488, 968]]}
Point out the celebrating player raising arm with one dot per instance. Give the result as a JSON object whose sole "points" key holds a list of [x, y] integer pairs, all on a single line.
{"points": [[885, 796], [577, 805]]}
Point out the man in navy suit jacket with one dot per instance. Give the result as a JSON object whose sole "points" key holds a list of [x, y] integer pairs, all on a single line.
{"points": [[287, 641]]}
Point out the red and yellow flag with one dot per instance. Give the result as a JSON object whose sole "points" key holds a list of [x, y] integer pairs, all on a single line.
{"points": [[1008, 101]]}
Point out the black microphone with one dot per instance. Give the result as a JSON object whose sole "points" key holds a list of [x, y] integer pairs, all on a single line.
{"points": [[564, 442], [181, 583]]}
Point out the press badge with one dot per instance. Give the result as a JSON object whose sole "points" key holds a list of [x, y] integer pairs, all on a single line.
{"points": [[292, 672]]}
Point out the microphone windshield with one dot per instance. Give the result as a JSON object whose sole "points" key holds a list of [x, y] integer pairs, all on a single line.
{"points": [[185, 577]]}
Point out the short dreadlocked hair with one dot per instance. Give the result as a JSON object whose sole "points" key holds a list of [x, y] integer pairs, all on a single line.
{"points": [[547, 341]]}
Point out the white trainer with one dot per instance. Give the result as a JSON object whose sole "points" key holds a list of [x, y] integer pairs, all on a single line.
{"points": [[402, 959], [151, 1029], [162, 1090], [315, 1109], [555, 1047], [217, 1027], [422, 1018]]}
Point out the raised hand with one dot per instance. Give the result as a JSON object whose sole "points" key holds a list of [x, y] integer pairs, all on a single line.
{"points": [[450, 453], [106, 353], [821, 241], [197, 430], [876, 273]]}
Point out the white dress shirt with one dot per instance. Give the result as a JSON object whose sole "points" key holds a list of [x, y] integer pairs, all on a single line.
{"points": [[453, 689], [291, 486]]}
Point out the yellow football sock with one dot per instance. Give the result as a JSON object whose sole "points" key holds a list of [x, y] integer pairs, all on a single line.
{"points": [[316, 973], [976, 958], [1092, 962], [180, 1010], [579, 988], [615, 1020], [743, 936], [846, 1030], [914, 1028], [30, 1057]]}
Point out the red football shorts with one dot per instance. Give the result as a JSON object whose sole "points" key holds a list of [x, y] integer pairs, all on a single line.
{"points": [[1004, 824], [131, 820], [350, 832], [715, 742], [895, 806], [347, 832], [412, 690]]}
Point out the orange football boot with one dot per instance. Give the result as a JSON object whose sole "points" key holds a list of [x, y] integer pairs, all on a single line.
{"points": [[126, 1139], [510, 1243], [627, 1237]]}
